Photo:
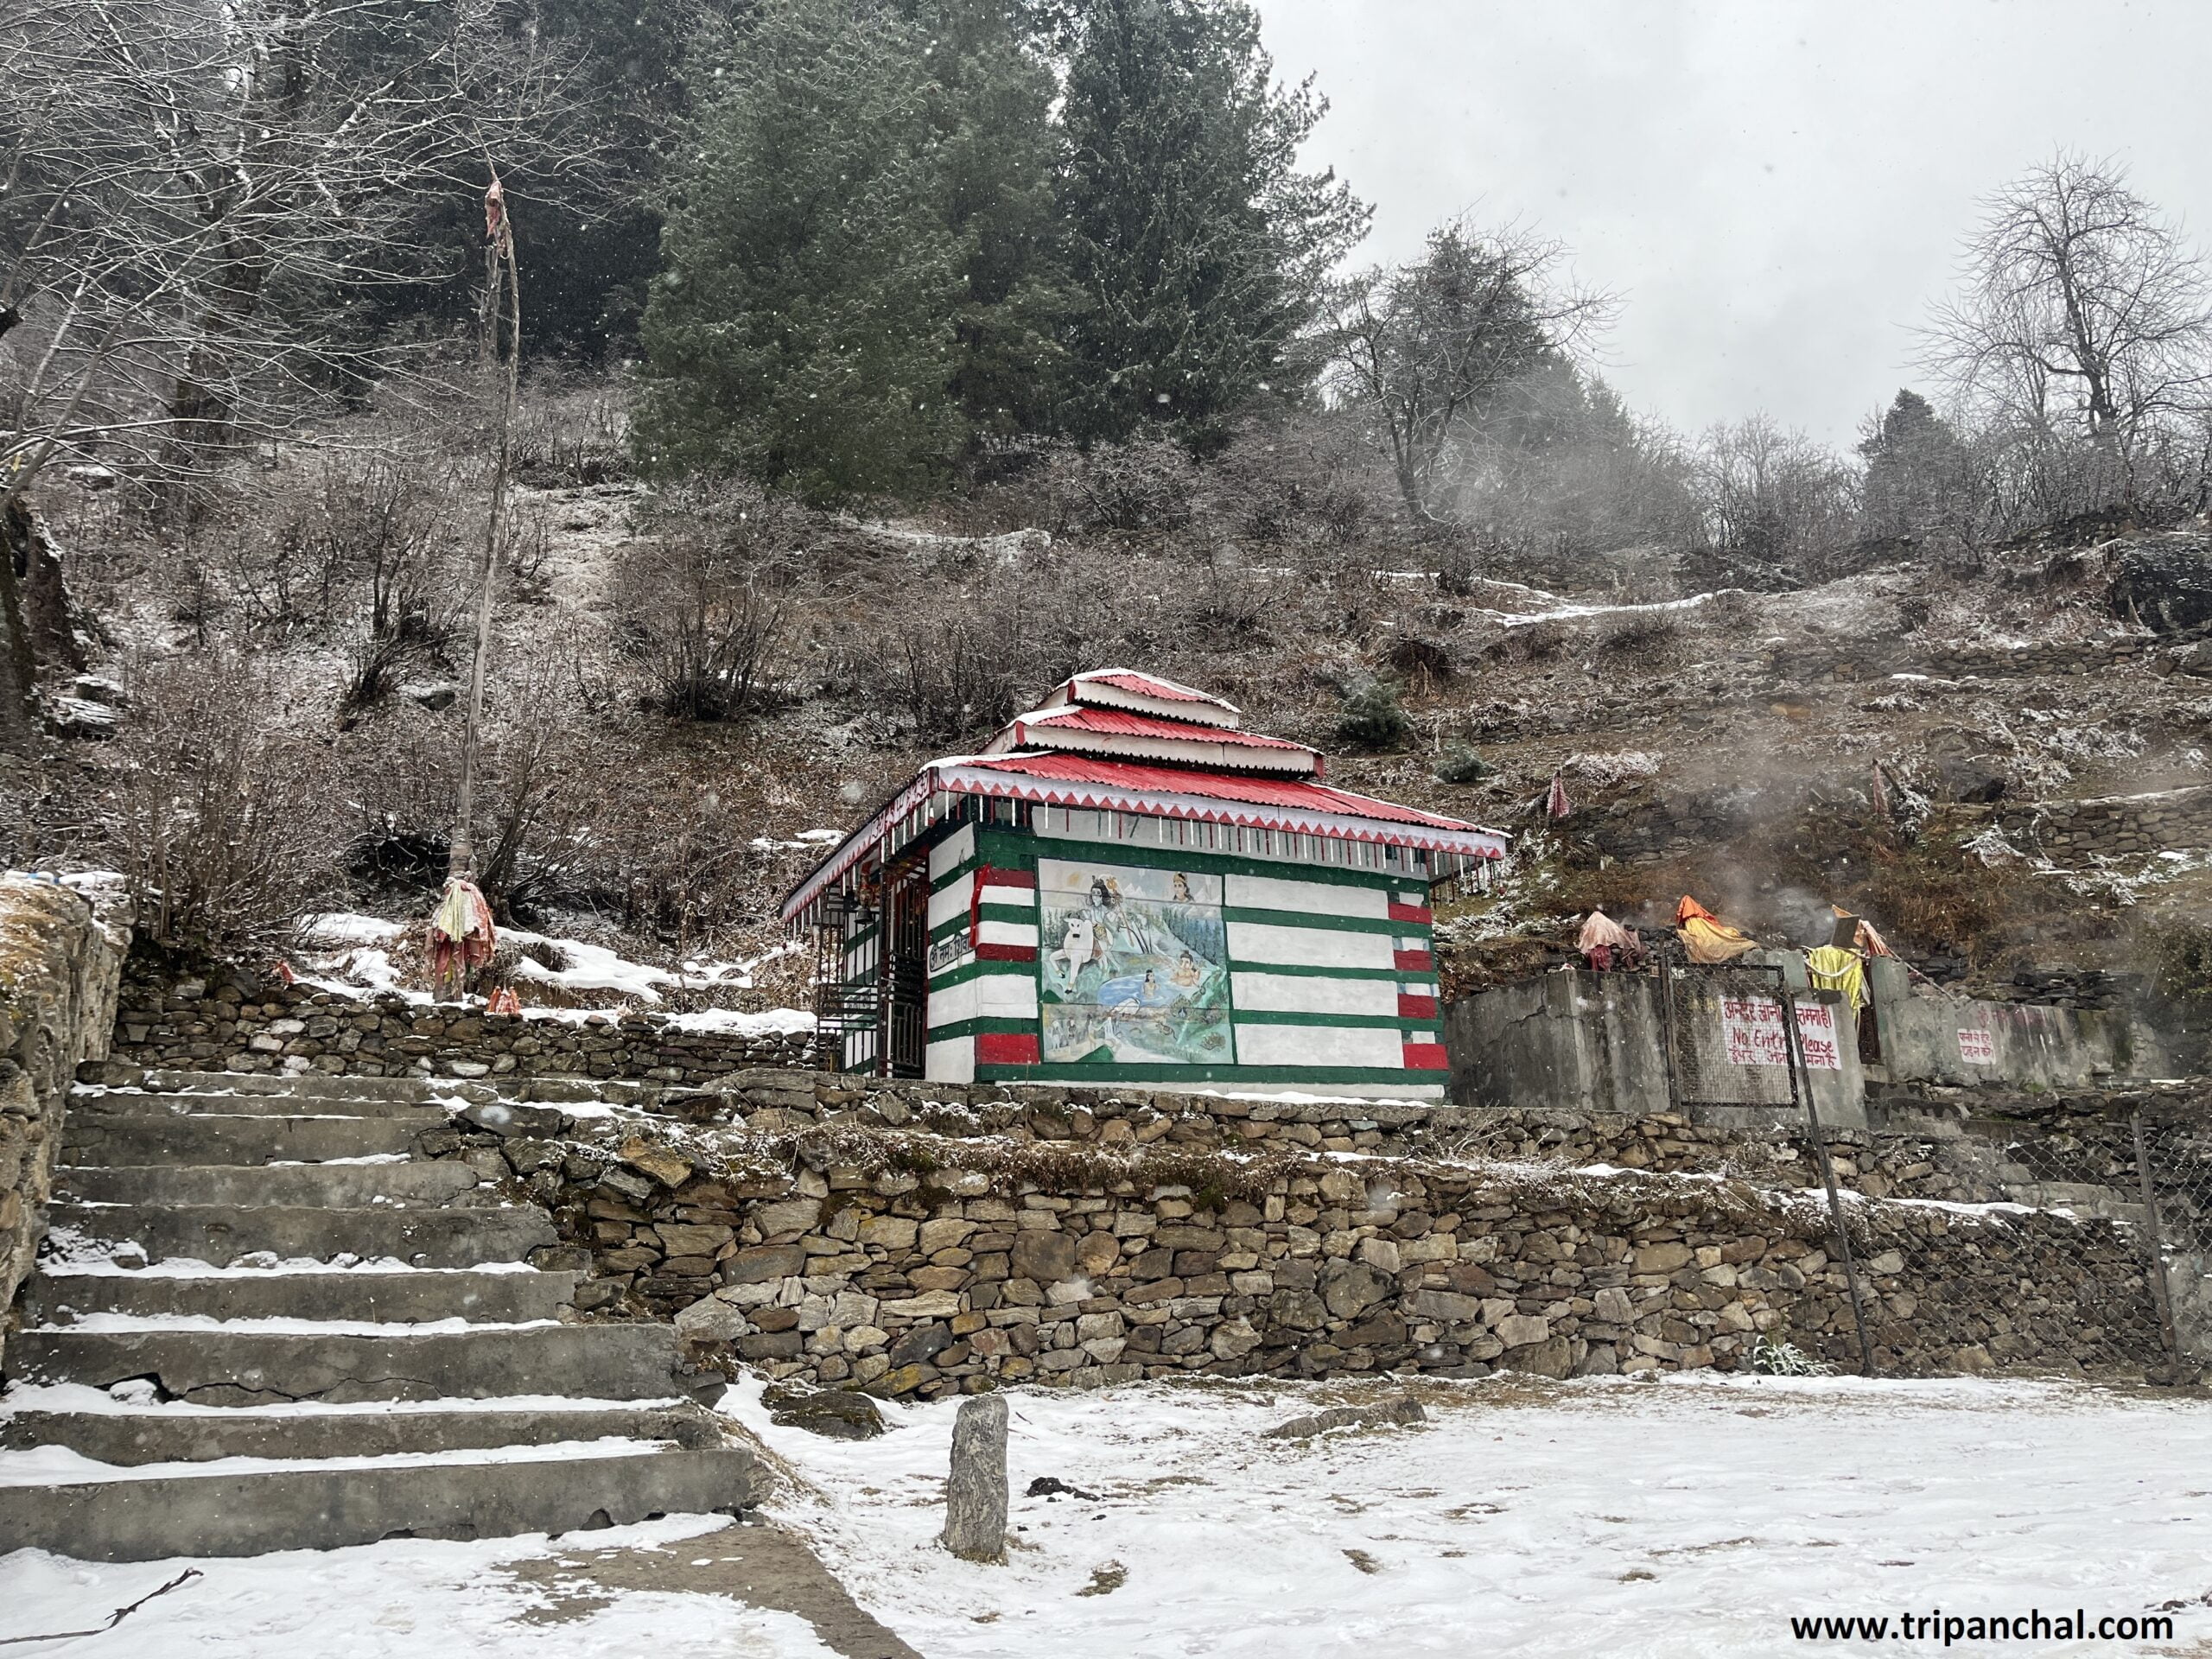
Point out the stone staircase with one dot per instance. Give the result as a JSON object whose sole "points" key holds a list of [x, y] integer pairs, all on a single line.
{"points": [[262, 1323]]}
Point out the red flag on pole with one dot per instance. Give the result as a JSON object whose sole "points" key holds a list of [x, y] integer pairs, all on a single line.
{"points": [[1556, 804], [495, 210]]}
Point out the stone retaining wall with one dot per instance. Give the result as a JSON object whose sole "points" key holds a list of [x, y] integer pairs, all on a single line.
{"points": [[2121, 826], [58, 962], [235, 1023], [907, 1262]]}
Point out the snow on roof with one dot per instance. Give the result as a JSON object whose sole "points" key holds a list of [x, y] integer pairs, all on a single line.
{"points": [[1183, 758]]}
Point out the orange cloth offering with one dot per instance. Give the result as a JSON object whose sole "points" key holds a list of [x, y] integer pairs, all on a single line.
{"points": [[1706, 937]]}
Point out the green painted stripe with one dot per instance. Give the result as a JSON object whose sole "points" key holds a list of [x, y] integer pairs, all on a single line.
{"points": [[1320, 923], [1078, 1075], [1305, 971], [1019, 915], [946, 881], [967, 970], [981, 1026], [1361, 1021], [1183, 858]]}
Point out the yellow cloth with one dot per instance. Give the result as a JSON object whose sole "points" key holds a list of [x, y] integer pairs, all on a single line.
{"points": [[1832, 968], [1706, 937]]}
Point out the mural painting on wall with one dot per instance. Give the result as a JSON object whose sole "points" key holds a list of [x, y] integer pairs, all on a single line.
{"points": [[1132, 966]]}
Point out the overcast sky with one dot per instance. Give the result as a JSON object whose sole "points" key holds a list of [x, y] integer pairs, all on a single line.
{"points": [[1775, 188]]}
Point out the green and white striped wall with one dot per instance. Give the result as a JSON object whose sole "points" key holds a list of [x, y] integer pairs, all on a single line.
{"points": [[1332, 978]]}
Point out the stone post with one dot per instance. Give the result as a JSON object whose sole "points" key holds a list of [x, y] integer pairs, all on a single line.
{"points": [[975, 1490]]}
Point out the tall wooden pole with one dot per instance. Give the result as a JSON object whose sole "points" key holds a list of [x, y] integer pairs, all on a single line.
{"points": [[460, 855]]}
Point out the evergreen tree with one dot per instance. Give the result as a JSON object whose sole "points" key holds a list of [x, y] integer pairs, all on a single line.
{"points": [[1917, 469], [999, 156], [802, 328], [1198, 245]]}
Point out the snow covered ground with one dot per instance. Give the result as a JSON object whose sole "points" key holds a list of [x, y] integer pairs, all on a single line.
{"points": [[1693, 1517], [1688, 1517], [401, 1600]]}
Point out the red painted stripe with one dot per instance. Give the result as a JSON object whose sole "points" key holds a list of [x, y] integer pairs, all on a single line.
{"points": [[1420, 1056], [1420, 913], [1006, 1048], [1413, 962], [988, 876], [1417, 1007], [1005, 953]]}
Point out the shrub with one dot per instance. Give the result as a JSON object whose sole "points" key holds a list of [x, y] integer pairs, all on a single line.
{"points": [[1459, 764], [1372, 719], [1142, 484]]}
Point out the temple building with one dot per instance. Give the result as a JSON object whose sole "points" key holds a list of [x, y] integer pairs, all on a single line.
{"points": [[1125, 886]]}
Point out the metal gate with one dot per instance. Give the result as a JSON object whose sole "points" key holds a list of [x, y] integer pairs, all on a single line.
{"points": [[1732, 1039], [907, 910], [1731, 1036]]}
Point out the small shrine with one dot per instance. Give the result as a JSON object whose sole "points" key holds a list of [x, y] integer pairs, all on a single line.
{"points": [[1126, 887]]}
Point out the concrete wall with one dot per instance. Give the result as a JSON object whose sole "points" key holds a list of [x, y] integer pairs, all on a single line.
{"points": [[1587, 1042], [2030, 1046], [1578, 1041], [59, 964]]}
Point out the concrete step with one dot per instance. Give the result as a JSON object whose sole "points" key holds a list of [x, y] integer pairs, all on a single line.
{"points": [[246, 1367], [420, 1297], [220, 1233], [338, 1186], [328, 1507], [114, 1104], [200, 1434], [317, 1085], [116, 1139]]}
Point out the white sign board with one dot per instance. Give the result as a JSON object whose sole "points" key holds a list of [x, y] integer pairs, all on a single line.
{"points": [[1817, 1037], [1977, 1046], [1753, 1030]]}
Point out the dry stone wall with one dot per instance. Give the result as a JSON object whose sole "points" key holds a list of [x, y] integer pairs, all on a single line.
{"points": [[2118, 826], [59, 963], [906, 1262], [234, 1023]]}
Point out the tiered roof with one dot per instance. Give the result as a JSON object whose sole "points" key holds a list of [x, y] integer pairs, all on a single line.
{"points": [[1113, 739]]}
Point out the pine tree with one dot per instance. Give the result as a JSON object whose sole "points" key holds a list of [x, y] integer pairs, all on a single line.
{"points": [[802, 327], [1917, 469], [1197, 245]]}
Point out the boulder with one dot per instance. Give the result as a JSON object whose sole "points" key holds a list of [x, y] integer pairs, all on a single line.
{"points": [[2163, 583], [834, 1414]]}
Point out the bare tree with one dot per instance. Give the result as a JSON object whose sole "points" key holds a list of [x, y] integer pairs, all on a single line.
{"points": [[2082, 312], [1420, 348], [196, 190], [1772, 494]]}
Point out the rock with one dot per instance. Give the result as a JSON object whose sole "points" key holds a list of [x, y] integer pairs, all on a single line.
{"points": [[1233, 1340], [2165, 583], [1049, 1258], [671, 1168], [433, 695], [922, 1342], [1613, 1305], [1349, 1288], [1300, 1310], [709, 1320], [889, 1232], [79, 718], [764, 1264], [1404, 1409], [834, 1414], [1521, 1330], [975, 1490], [97, 688], [1552, 1357], [1661, 1258], [787, 1219], [511, 1117]]}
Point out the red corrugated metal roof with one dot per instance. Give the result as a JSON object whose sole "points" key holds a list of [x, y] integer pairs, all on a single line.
{"points": [[1116, 722], [1145, 686], [1293, 794]]}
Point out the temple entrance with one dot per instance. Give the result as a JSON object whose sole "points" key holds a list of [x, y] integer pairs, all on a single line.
{"points": [[906, 969]]}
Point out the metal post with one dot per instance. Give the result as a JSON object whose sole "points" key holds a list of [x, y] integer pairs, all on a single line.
{"points": [[2161, 1291], [1828, 1176]]}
